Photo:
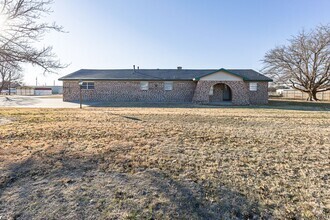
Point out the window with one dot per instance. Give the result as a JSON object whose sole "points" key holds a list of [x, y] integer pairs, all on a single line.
{"points": [[168, 86], [144, 85], [253, 86], [87, 85], [211, 91]]}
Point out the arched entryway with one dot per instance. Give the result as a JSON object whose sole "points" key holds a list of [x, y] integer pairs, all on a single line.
{"points": [[220, 93]]}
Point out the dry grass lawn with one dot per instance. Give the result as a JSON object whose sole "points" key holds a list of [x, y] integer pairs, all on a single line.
{"points": [[165, 163]]}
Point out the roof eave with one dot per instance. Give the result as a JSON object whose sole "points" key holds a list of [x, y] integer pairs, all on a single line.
{"points": [[245, 80], [94, 79], [259, 80]]}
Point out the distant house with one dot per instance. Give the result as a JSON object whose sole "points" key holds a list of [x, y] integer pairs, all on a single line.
{"points": [[222, 86], [25, 90], [6, 91], [39, 90], [12, 91]]}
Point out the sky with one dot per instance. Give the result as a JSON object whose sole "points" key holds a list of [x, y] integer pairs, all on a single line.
{"points": [[109, 34]]}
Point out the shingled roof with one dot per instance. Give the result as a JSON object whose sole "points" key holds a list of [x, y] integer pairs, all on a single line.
{"points": [[159, 74]]}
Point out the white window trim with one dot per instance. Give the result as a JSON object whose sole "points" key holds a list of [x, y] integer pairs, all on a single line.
{"points": [[144, 85], [87, 85], [253, 86], [168, 85]]}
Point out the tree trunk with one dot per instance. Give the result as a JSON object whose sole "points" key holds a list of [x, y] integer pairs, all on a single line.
{"points": [[2, 84], [312, 96]]}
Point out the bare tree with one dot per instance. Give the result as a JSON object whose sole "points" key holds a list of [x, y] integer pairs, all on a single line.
{"points": [[304, 63], [10, 74], [22, 30]]}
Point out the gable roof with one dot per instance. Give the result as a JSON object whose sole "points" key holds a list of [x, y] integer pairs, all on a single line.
{"points": [[219, 70], [159, 74]]}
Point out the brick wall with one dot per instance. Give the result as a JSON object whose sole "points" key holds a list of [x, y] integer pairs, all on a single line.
{"points": [[261, 95], [129, 91], [217, 93], [183, 91]]}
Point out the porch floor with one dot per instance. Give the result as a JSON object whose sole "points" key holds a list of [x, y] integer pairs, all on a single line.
{"points": [[226, 103]]}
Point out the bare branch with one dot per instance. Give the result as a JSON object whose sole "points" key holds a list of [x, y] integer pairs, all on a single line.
{"points": [[24, 28], [304, 63]]}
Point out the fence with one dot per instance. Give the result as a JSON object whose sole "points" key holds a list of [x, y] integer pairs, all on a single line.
{"points": [[295, 94]]}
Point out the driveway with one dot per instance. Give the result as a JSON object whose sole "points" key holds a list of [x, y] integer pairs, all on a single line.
{"points": [[36, 102]]}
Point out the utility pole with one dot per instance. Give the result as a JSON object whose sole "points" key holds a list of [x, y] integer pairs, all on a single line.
{"points": [[36, 81], [80, 95]]}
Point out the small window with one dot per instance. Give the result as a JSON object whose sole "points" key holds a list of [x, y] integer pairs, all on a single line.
{"points": [[211, 91], [253, 86], [168, 86], [144, 85], [87, 85]]}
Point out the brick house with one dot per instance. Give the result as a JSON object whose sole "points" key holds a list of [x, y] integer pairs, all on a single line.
{"points": [[205, 86]]}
